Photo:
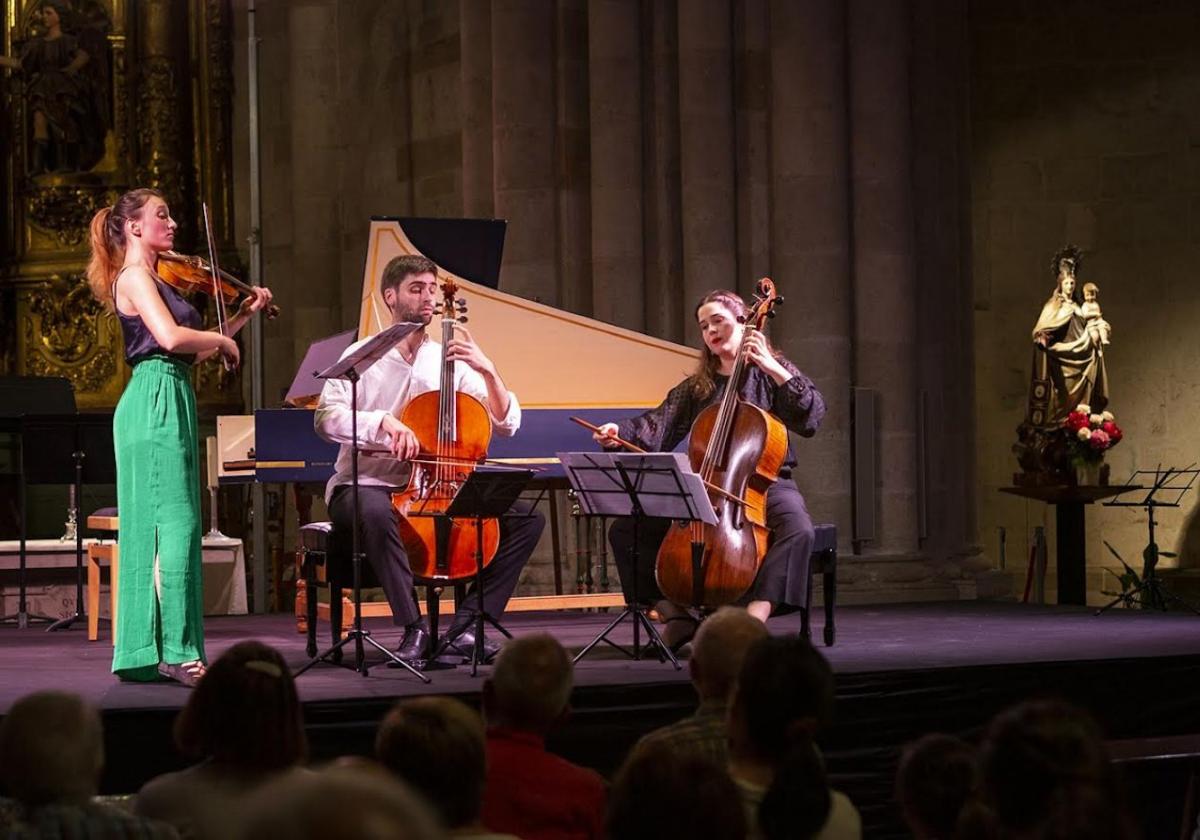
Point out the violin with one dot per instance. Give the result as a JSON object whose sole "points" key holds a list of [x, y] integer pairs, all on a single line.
{"points": [[454, 430], [736, 448], [190, 275]]}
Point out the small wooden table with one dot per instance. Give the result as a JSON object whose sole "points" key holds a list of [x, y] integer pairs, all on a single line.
{"points": [[1071, 537]]}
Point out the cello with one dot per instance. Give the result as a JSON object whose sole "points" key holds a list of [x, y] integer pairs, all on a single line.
{"points": [[737, 448], [454, 430]]}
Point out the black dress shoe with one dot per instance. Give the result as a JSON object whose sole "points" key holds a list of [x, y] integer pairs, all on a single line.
{"points": [[460, 644], [414, 645]]}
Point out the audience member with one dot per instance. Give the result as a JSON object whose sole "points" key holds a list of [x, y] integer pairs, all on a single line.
{"points": [[935, 778], [718, 650], [436, 746], [51, 755], [243, 721], [665, 792], [783, 697], [1044, 773], [338, 803], [530, 792]]}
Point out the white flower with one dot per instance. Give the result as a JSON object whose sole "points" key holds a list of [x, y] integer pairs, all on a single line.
{"points": [[1084, 434], [1083, 408], [1095, 420], [1108, 416]]}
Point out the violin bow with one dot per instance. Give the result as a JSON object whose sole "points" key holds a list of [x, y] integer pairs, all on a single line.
{"points": [[222, 318], [633, 447]]}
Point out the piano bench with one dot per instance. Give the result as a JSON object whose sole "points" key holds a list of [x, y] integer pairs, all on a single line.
{"points": [[323, 550], [106, 522], [823, 561]]}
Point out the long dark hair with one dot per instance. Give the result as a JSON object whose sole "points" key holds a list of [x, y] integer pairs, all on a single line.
{"points": [[108, 241], [784, 695], [703, 381], [245, 712]]}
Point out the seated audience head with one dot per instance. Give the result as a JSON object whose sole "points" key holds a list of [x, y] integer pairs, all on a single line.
{"points": [[1044, 772], [935, 778], [661, 792], [530, 685], [245, 712], [339, 802], [51, 750], [720, 648], [784, 696], [436, 746]]}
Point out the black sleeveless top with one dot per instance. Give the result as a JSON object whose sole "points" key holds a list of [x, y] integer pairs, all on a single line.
{"points": [[140, 342]]}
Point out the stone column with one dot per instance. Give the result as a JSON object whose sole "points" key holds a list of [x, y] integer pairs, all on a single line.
{"points": [[706, 159], [810, 245], [884, 287], [615, 97], [315, 181], [523, 148], [574, 166], [660, 161], [161, 83], [752, 144], [475, 56]]}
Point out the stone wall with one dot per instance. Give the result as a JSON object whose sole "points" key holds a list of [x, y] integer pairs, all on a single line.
{"points": [[1085, 128], [644, 153]]}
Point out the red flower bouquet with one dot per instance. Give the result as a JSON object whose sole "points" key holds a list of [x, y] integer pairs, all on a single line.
{"points": [[1089, 435]]}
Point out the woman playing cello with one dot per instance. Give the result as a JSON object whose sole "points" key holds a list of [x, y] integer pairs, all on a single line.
{"points": [[772, 383], [159, 629]]}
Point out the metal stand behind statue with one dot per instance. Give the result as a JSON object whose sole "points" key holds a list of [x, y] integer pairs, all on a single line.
{"points": [[656, 485], [1167, 488], [350, 369], [488, 493]]}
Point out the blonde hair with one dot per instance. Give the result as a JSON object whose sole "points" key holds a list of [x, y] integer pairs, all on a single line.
{"points": [[108, 241]]}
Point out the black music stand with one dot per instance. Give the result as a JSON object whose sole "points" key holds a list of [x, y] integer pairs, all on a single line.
{"points": [[351, 368], [74, 449], [23, 396], [653, 485], [487, 493], [1167, 488]]}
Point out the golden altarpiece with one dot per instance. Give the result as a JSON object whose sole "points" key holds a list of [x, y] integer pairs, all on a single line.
{"points": [[96, 97]]}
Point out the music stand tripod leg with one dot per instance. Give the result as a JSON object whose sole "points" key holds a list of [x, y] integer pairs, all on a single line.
{"points": [[633, 610], [80, 614], [22, 617], [358, 635]]}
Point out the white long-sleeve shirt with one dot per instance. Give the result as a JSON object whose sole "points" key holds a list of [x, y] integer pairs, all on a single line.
{"points": [[387, 387]]}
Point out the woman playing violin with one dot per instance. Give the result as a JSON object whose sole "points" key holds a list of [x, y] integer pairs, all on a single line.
{"points": [[772, 383], [159, 617]]}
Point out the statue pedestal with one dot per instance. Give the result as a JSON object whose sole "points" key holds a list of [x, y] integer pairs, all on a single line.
{"points": [[1071, 535]]}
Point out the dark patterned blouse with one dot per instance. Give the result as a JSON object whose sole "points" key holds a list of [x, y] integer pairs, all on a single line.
{"points": [[796, 403]]}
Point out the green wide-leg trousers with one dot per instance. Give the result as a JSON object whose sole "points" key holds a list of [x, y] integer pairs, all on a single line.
{"points": [[158, 502]]}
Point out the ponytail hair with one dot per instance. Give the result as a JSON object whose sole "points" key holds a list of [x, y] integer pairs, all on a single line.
{"points": [[107, 236], [784, 695], [798, 802]]}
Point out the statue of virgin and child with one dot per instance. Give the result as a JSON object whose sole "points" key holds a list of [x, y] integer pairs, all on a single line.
{"points": [[1069, 340]]}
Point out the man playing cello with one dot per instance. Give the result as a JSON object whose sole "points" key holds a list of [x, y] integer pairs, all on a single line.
{"points": [[773, 384], [413, 367]]}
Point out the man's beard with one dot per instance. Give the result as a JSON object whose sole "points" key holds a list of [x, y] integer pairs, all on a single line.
{"points": [[411, 316]]}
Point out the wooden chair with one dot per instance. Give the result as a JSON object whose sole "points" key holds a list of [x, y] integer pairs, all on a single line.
{"points": [[105, 522]]}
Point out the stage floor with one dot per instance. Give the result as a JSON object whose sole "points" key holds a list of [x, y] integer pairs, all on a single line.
{"points": [[902, 670], [886, 638]]}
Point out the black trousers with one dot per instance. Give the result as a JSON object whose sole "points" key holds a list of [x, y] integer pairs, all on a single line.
{"points": [[380, 543], [782, 578]]}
